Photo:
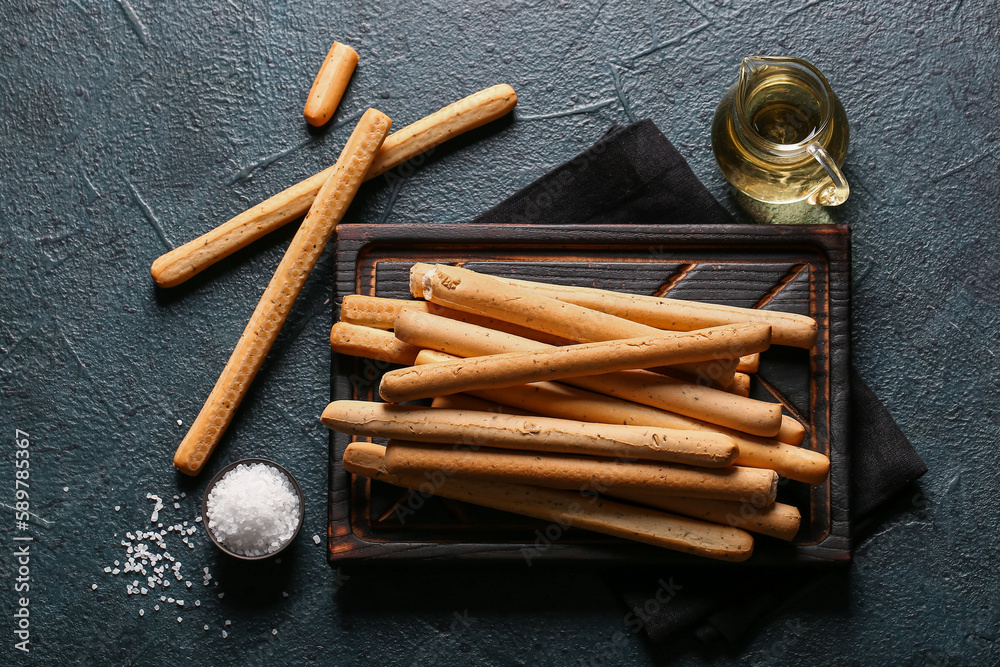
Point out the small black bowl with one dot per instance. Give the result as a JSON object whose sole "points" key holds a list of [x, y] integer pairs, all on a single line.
{"points": [[215, 480]]}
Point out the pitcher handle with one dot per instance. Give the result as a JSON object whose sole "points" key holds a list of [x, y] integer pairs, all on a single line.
{"points": [[837, 191]]}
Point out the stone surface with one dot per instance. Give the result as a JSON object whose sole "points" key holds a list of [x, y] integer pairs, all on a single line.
{"points": [[131, 126]]}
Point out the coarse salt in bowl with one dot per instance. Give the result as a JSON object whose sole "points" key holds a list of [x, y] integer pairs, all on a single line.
{"points": [[253, 509]]}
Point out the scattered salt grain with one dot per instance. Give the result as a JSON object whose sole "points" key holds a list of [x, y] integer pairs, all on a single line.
{"points": [[180, 423], [177, 506], [142, 613], [118, 508], [284, 594], [179, 619], [206, 627], [65, 489], [228, 623], [224, 634], [93, 587], [220, 595], [274, 631], [316, 539], [253, 510], [156, 607], [197, 603]]}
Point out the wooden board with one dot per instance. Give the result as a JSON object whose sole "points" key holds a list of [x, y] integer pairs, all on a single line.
{"points": [[803, 269]]}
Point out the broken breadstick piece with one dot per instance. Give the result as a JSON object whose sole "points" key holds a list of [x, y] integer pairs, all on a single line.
{"points": [[683, 534], [542, 434], [582, 473], [703, 403], [330, 84], [776, 520], [372, 344], [662, 313], [572, 361], [281, 292], [190, 259]]}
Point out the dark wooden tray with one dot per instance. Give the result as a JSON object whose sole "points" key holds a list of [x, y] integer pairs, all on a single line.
{"points": [[798, 269]]}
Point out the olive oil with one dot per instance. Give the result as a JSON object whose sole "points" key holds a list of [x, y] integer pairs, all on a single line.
{"points": [[771, 129]]}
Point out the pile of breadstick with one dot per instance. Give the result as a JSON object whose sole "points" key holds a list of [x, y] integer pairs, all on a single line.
{"points": [[623, 414]]}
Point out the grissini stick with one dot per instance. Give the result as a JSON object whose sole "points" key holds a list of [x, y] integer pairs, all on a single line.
{"points": [[483, 295], [500, 370], [330, 84], [381, 313], [540, 434], [672, 314], [470, 402], [749, 364], [554, 399], [791, 431], [272, 310], [583, 473], [776, 520], [704, 403], [683, 534], [188, 260], [371, 343]]}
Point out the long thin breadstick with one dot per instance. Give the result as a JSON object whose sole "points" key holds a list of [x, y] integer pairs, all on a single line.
{"points": [[542, 434], [450, 377], [471, 292], [381, 313], [330, 84], [554, 399], [371, 343], [567, 508], [662, 313], [195, 256], [777, 520], [280, 294], [792, 431], [583, 473], [704, 403]]}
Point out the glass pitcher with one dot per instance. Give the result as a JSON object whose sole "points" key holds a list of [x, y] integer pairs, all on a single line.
{"points": [[780, 134]]}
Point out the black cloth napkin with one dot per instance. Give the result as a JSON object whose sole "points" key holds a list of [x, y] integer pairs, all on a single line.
{"points": [[634, 175]]}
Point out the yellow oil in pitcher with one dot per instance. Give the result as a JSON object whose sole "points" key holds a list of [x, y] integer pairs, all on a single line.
{"points": [[780, 134]]}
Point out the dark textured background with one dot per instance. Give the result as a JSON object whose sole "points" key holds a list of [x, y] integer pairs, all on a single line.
{"points": [[131, 126]]}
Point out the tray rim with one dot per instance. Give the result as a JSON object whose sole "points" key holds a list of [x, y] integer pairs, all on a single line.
{"points": [[833, 241]]}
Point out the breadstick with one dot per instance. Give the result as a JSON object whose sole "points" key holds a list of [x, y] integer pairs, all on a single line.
{"points": [[380, 313], [280, 294], [777, 520], [195, 256], [553, 399], [749, 363], [470, 402], [671, 314], [791, 431], [583, 473], [704, 403], [513, 368], [457, 118], [330, 84], [540, 434], [741, 385], [471, 292], [567, 509], [371, 343]]}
